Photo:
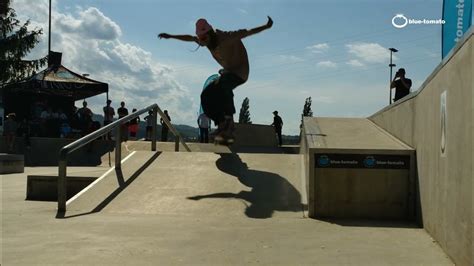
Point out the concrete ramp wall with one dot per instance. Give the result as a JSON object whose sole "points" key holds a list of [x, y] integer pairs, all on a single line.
{"points": [[442, 137], [255, 135]]}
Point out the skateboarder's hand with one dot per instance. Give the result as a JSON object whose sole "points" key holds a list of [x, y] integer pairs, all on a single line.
{"points": [[164, 36], [270, 22]]}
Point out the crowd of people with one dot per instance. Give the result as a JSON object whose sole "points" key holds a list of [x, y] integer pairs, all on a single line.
{"points": [[52, 122]]}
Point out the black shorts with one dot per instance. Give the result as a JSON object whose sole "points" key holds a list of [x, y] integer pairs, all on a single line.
{"points": [[217, 100]]}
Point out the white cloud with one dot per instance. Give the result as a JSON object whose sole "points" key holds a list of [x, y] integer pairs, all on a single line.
{"points": [[355, 63], [291, 59], [243, 11], [90, 23], [369, 52], [90, 43], [327, 64], [318, 48]]}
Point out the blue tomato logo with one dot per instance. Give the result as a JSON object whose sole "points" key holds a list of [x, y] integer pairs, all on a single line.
{"points": [[369, 161], [323, 160]]}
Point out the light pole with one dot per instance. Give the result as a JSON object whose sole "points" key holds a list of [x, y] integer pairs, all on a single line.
{"points": [[391, 65], [49, 29]]}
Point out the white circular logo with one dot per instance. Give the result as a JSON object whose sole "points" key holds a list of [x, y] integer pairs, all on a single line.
{"points": [[399, 17]]}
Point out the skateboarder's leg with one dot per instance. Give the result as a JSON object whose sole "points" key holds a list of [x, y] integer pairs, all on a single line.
{"points": [[212, 105], [227, 83]]}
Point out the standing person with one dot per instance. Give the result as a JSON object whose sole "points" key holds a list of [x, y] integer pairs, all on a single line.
{"points": [[122, 112], [204, 122], [109, 113], [278, 125], [45, 119], [85, 118], [10, 130], [133, 126], [227, 48], [402, 85], [164, 127], [149, 125], [24, 131]]}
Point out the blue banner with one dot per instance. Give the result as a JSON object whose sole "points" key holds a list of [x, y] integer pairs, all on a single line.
{"points": [[457, 15]]}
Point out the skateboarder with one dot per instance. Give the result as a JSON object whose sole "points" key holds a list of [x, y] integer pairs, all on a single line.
{"points": [[228, 50]]}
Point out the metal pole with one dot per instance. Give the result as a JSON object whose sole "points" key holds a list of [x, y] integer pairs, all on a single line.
{"points": [[49, 30], [153, 132], [118, 147], [176, 144], [62, 190], [390, 82]]}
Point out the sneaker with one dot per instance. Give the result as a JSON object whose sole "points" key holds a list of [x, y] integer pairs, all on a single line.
{"points": [[226, 135]]}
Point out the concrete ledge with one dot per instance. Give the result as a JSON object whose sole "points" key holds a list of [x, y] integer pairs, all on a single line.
{"points": [[354, 169], [45, 188], [12, 163], [255, 135]]}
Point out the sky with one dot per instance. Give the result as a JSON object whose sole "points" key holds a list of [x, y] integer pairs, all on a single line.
{"points": [[334, 51]]}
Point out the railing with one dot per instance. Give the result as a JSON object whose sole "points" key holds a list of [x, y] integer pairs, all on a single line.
{"points": [[117, 125]]}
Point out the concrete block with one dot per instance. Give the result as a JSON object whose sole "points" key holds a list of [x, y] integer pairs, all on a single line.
{"points": [[45, 188], [11, 163]]}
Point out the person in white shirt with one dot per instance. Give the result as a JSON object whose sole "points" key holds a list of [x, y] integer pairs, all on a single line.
{"points": [[204, 123]]}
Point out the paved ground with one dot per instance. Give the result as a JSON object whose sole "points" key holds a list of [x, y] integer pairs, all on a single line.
{"points": [[205, 208]]}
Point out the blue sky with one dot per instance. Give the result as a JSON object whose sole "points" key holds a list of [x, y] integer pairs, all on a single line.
{"points": [[333, 51]]}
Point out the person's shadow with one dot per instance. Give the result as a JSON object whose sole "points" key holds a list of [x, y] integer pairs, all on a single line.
{"points": [[270, 192]]}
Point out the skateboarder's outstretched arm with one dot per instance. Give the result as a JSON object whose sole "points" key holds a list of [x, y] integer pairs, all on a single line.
{"points": [[240, 34], [186, 38]]}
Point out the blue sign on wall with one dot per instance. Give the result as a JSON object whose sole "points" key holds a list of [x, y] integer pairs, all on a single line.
{"points": [[457, 15]]}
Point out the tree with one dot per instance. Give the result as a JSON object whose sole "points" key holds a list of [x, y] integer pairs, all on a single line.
{"points": [[16, 41], [244, 116], [306, 110], [307, 107]]}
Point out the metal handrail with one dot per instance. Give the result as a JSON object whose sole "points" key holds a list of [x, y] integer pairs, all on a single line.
{"points": [[66, 150]]}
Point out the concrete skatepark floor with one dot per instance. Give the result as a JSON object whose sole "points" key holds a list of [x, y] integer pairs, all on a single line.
{"points": [[211, 211]]}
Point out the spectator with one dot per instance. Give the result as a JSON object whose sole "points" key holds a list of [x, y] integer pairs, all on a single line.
{"points": [[62, 116], [74, 122], [122, 112], [164, 127], [37, 109], [277, 124], [24, 130], [65, 130], [204, 122], [54, 124], [133, 127], [402, 85], [10, 130], [109, 113], [45, 122], [85, 118], [149, 125]]}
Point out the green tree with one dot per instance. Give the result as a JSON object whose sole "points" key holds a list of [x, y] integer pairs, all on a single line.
{"points": [[16, 41], [244, 116], [307, 107], [306, 110]]}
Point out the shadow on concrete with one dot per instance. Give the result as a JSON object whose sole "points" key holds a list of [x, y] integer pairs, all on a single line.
{"points": [[370, 223], [270, 192], [123, 184]]}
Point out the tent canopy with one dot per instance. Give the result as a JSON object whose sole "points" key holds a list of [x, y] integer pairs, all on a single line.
{"points": [[59, 81]]}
